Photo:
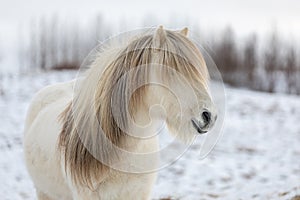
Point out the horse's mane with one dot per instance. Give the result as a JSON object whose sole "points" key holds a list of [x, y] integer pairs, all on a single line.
{"points": [[90, 112]]}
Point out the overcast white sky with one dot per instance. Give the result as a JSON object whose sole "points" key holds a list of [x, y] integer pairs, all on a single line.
{"points": [[244, 15]]}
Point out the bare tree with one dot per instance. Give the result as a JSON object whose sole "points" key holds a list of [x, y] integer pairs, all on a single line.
{"points": [[0, 51], [1, 84], [43, 34], [272, 62], [53, 41], [297, 77], [21, 50], [75, 45], [290, 70], [249, 63], [33, 46], [226, 56], [65, 45]]}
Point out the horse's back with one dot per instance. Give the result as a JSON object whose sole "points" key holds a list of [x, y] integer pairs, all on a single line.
{"points": [[42, 130]]}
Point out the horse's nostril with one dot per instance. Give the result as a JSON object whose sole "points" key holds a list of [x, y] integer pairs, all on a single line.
{"points": [[206, 117], [197, 126]]}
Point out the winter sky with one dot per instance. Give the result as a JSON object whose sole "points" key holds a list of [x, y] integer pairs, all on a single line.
{"points": [[254, 15], [244, 16]]}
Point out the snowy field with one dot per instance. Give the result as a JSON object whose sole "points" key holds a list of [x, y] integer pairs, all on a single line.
{"points": [[258, 156]]}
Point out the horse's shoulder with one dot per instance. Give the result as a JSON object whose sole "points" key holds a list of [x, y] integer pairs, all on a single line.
{"points": [[46, 96]]}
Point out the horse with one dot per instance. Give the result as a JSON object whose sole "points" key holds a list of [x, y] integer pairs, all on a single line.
{"points": [[75, 132]]}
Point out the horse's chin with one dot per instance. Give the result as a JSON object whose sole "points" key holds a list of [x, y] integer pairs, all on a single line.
{"points": [[187, 137]]}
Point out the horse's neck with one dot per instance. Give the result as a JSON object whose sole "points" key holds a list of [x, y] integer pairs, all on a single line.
{"points": [[143, 120], [143, 131]]}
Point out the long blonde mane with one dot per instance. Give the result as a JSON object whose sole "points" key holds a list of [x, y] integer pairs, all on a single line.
{"points": [[94, 94]]}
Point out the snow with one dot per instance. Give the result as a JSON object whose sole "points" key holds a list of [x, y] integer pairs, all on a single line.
{"points": [[256, 158]]}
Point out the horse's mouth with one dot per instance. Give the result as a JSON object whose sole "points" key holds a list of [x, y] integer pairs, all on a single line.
{"points": [[197, 126]]}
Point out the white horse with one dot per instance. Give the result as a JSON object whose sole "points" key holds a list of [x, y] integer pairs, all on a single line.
{"points": [[71, 135]]}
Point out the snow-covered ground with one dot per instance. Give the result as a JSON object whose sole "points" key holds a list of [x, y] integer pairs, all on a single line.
{"points": [[258, 156]]}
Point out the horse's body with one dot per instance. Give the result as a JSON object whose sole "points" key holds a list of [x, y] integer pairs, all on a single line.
{"points": [[57, 159], [42, 133]]}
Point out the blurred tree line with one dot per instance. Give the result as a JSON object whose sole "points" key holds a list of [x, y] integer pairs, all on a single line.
{"points": [[272, 66], [59, 45]]}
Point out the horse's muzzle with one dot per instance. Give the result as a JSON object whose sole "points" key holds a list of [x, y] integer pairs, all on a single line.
{"points": [[197, 126]]}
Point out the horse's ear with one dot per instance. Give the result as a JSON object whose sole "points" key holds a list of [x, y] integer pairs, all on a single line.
{"points": [[184, 31], [159, 37]]}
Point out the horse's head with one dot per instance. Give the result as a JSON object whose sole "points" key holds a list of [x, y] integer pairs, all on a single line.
{"points": [[182, 80], [161, 69]]}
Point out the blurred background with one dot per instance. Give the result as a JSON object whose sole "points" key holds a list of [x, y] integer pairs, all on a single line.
{"points": [[255, 45]]}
